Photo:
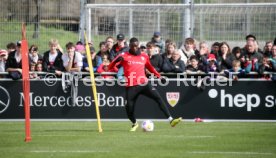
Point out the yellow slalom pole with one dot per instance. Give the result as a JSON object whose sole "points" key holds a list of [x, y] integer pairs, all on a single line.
{"points": [[93, 87]]}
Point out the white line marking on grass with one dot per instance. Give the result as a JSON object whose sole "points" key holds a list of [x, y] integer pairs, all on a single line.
{"points": [[64, 135], [231, 153], [68, 151], [183, 136]]}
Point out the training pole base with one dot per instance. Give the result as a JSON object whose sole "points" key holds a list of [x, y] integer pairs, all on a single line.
{"points": [[28, 139]]}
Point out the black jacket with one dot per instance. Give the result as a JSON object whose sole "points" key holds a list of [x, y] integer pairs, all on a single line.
{"points": [[156, 61], [58, 63], [114, 52], [12, 63], [169, 66]]}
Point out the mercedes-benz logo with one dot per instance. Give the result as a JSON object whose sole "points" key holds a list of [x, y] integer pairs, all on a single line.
{"points": [[4, 99]]}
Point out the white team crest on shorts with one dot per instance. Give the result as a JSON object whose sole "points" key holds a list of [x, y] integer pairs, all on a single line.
{"points": [[172, 98]]}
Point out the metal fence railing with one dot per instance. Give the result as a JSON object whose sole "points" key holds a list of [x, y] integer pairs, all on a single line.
{"points": [[209, 20], [45, 19], [229, 22]]}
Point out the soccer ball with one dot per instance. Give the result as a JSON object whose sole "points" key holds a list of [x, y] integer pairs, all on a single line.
{"points": [[147, 126]]}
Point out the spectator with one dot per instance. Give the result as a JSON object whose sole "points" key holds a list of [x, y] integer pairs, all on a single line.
{"points": [[215, 49], [273, 53], [79, 47], [14, 63], [96, 61], [251, 57], [212, 65], [38, 68], [119, 47], [251, 38], [267, 65], [34, 55], [235, 55], [223, 57], [33, 74], [236, 71], [171, 47], [143, 48], [273, 58], [203, 53], [103, 50], [3, 59], [174, 64], [267, 48], [157, 40], [109, 44], [168, 41], [72, 60], [187, 50], [194, 65], [154, 56], [52, 61], [104, 67], [257, 47], [11, 47]]}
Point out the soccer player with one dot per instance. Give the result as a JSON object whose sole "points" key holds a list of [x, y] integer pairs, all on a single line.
{"points": [[134, 63]]}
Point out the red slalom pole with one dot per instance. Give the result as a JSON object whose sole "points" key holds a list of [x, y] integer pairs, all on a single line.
{"points": [[26, 83]]}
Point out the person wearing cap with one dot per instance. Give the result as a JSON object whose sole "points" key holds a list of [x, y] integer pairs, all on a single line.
{"points": [[119, 47], [157, 40], [143, 48], [212, 65], [14, 62], [251, 38], [52, 61], [3, 59]]}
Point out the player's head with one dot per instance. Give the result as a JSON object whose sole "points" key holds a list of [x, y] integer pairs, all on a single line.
{"points": [[134, 46]]}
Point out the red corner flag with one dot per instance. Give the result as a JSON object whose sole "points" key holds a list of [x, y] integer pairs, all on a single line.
{"points": [[26, 83]]}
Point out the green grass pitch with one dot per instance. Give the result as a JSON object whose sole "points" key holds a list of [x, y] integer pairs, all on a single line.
{"points": [[80, 139]]}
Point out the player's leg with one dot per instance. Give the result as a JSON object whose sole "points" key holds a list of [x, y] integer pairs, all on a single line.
{"points": [[131, 97], [151, 92]]}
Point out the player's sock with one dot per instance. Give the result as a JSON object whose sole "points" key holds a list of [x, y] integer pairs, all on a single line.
{"points": [[170, 118]]}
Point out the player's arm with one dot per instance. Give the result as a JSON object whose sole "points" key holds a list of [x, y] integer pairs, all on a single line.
{"points": [[117, 60]]}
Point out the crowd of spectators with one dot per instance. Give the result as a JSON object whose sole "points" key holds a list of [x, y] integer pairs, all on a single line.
{"points": [[164, 55]]}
